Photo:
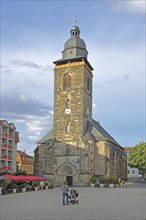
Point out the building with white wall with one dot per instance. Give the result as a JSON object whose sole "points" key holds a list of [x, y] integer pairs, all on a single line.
{"points": [[9, 138], [132, 172]]}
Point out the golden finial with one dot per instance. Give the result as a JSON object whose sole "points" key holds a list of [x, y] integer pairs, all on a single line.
{"points": [[75, 20]]}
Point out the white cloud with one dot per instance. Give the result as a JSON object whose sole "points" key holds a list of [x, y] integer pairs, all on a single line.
{"points": [[136, 6], [117, 65], [94, 105], [33, 138], [28, 77], [130, 6]]}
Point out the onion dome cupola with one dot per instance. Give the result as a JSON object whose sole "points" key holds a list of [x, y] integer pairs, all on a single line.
{"points": [[75, 47]]}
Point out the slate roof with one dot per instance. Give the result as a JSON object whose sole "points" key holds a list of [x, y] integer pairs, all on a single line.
{"points": [[22, 153], [48, 136], [96, 132]]}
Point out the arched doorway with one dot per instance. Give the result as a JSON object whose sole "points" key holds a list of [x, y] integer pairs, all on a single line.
{"points": [[68, 172], [69, 180]]}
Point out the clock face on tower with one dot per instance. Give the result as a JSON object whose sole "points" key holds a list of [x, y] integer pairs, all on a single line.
{"points": [[67, 111]]}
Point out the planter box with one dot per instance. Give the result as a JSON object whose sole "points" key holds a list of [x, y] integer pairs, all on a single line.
{"points": [[111, 185], [14, 190], [23, 190], [101, 185], [36, 188], [92, 185]]}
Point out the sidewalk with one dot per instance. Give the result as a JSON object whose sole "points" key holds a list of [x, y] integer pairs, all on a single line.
{"points": [[94, 204]]}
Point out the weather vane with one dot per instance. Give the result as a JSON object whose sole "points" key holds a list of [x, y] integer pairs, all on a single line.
{"points": [[75, 20]]}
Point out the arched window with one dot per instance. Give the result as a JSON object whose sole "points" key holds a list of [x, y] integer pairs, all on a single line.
{"points": [[67, 103], [67, 150], [88, 83], [68, 128], [66, 81]]}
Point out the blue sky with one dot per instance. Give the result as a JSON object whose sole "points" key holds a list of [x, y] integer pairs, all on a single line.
{"points": [[33, 34]]}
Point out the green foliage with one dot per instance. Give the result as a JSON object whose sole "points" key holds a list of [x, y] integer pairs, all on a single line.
{"points": [[137, 156], [102, 179], [5, 182], [105, 179], [20, 173], [93, 179], [23, 185], [112, 180], [4, 172], [13, 186]]}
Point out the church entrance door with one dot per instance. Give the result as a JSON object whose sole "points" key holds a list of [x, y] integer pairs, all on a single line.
{"points": [[69, 180]]}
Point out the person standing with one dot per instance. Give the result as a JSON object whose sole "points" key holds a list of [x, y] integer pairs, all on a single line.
{"points": [[119, 182], [65, 190]]}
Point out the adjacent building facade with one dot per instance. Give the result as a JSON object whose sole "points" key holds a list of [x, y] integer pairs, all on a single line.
{"points": [[9, 138], [78, 146], [25, 162], [132, 172]]}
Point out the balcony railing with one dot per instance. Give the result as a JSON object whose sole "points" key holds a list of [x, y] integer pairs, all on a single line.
{"points": [[10, 136], [4, 157], [4, 146], [10, 147], [10, 158], [5, 135], [3, 168], [9, 168]]}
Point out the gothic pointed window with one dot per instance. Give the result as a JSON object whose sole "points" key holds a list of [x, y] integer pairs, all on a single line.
{"points": [[88, 83], [68, 128], [66, 81], [67, 150], [67, 103]]}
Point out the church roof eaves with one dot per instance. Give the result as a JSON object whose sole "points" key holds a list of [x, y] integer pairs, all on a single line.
{"points": [[48, 136], [104, 133], [79, 58], [89, 136], [97, 132]]}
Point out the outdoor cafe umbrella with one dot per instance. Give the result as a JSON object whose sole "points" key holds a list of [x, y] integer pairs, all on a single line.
{"points": [[11, 177], [23, 178], [33, 178]]}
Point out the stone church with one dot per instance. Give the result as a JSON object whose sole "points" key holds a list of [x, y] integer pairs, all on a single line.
{"points": [[78, 147]]}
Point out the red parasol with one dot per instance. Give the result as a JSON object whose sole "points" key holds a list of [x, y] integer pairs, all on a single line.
{"points": [[23, 178], [7, 176], [33, 178]]}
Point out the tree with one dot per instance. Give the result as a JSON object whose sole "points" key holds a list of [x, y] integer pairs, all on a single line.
{"points": [[137, 157]]}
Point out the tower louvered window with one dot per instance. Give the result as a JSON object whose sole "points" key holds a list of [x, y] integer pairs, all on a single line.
{"points": [[66, 81]]}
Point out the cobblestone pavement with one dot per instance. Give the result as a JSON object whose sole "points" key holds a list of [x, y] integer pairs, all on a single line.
{"points": [[94, 204]]}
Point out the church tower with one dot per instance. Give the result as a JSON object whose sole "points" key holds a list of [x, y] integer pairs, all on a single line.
{"points": [[77, 147], [72, 90]]}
